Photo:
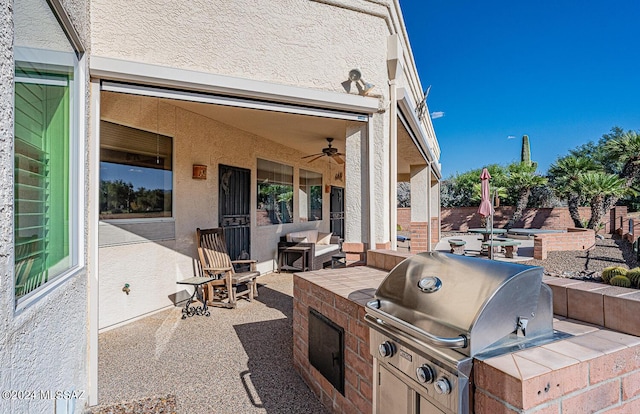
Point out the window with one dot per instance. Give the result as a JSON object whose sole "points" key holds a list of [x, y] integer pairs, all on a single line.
{"points": [[47, 153], [42, 187], [136, 176], [275, 193], [310, 191]]}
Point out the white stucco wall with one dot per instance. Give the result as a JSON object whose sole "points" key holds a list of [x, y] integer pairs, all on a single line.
{"points": [[152, 268], [47, 34], [44, 346], [6, 200], [294, 42]]}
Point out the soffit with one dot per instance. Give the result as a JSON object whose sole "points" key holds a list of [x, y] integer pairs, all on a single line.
{"points": [[304, 133], [408, 154]]}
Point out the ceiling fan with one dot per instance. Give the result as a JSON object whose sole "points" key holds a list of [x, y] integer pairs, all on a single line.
{"points": [[329, 151]]}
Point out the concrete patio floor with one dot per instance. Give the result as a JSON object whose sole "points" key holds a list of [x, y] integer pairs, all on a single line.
{"points": [[235, 361]]}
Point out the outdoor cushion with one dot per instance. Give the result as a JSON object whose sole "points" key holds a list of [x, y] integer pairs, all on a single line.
{"points": [[324, 238], [324, 249], [311, 235], [299, 240]]}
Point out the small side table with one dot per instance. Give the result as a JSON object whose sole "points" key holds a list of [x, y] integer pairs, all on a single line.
{"points": [[299, 251], [196, 282], [338, 260]]}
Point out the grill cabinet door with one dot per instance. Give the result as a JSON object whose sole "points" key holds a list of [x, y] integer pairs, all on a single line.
{"points": [[394, 396], [427, 408]]}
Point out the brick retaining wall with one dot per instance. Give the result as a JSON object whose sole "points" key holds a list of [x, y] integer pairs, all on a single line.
{"points": [[463, 218], [573, 239], [404, 218]]}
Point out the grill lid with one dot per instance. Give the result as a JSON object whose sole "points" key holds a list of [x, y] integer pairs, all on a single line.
{"points": [[463, 302]]}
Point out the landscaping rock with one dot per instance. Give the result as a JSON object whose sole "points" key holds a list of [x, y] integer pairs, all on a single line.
{"points": [[588, 264]]}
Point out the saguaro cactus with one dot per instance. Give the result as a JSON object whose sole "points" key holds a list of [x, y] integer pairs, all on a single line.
{"points": [[525, 155]]}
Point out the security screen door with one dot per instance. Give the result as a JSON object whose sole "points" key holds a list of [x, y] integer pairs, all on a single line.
{"points": [[233, 210], [336, 214]]}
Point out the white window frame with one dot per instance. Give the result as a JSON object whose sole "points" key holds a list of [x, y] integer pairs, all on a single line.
{"points": [[76, 165]]}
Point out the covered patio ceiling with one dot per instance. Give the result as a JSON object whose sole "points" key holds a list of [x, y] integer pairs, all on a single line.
{"points": [[304, 133]]}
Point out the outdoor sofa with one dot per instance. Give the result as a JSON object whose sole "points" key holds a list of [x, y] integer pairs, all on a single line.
{"points": [[320, 248]]}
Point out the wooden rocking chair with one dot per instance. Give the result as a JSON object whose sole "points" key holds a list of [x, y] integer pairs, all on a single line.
{"points": [[215, 261]]}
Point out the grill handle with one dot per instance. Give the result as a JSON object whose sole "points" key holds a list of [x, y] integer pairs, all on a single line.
{"points": [[387, 319]]}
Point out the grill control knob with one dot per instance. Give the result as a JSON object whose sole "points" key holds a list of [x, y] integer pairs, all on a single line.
{"points": [[425, 374], [386, 349], [443, 386]]}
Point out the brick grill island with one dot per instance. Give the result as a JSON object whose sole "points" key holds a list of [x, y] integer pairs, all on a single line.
{"points": [[595, 370]]}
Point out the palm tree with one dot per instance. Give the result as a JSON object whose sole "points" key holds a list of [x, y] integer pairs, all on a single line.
{"points": [[602, 190], [625, 149], [522, 179], [563, 176], [499, 191]]}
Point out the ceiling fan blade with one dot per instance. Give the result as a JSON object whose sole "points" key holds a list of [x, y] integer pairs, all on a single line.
{"points": [[313, 155], [338, 158], [319, 156]]}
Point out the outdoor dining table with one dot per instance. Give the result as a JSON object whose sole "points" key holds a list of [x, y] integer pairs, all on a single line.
{"points": [[486, 233]]}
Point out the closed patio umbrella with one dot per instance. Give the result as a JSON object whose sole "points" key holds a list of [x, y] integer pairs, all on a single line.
{"points": [[486, 207]]}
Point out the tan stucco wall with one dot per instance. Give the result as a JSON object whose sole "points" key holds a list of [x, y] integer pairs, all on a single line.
{"points": [[294, 42], [304, 43], [152, 268]]}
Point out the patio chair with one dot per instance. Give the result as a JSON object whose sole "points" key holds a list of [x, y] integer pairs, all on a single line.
{"points": [[215, 261]]}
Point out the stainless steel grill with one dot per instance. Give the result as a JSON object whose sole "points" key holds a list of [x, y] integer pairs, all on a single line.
{"points": [[435, 312]]}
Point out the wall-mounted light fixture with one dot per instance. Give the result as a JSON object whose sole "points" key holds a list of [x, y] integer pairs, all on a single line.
{"points": [[199, 172], [355, 77]]}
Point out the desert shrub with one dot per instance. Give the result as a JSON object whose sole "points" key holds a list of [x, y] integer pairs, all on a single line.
{"points": [[634, 276], [621, 281], [610, 272]]}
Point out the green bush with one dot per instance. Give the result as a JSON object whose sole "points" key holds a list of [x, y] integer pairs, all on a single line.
{"points": [[634, 276], [610, 272], [621, 281]]}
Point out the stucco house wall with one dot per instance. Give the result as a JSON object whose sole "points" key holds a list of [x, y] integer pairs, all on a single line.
{"points": [[52, 343], [293, 42], [43, 347], [304, 43]]}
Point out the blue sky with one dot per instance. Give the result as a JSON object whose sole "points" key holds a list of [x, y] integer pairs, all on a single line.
{"points": [[562, 72]]}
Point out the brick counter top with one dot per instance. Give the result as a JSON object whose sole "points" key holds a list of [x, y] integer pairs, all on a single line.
{"points": [[358, 283], [594, 370]]}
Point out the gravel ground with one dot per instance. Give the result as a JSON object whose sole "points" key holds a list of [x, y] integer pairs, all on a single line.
{"points": [[235, 361], [588, 264]]}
